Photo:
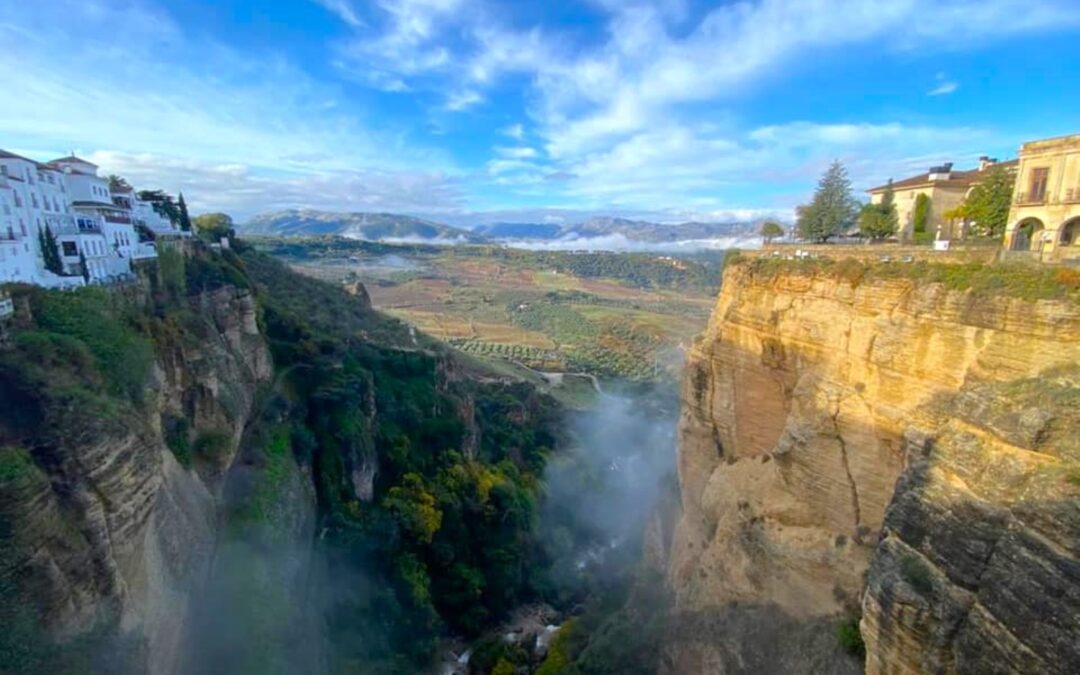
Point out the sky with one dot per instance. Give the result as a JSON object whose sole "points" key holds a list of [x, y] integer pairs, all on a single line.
{"points": [[520, 110]]}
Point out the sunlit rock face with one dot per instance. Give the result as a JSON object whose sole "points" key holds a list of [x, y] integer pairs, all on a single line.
{"points": [[804, 402]]}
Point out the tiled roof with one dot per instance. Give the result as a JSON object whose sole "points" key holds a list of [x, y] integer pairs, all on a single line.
{"points": [[11, 155], [955, 179]]}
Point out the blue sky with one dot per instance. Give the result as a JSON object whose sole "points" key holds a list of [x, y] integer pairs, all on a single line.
{"points": [[465, 110]]}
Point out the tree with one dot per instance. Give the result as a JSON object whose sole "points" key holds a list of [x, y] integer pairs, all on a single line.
{"points": [[49, 253], [921, 215], [118, 183], [833, 209], [162, 204], [771, 230], [185, 220], [214, 225], [82, 267], [987, 207], [879, 221]]}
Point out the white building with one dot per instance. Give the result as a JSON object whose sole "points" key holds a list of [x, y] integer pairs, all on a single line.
{"points": [[99, 232]]}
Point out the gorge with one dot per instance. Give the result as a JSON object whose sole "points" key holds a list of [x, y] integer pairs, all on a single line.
{"points": [[230, 467]]}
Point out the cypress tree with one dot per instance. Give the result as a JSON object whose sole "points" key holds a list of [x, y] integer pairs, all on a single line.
{"points": [[185, 220], [84, 268], [49, 253], [833, 209]]}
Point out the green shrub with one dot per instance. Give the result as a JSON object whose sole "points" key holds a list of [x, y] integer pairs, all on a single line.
{"points": [[98, 318], [916, 573], [849, 637], [213, 444], [178, 438], [171, 267]]}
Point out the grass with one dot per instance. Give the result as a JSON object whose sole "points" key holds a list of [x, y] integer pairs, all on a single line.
{"points": [[849, 637], [1026, 282]]}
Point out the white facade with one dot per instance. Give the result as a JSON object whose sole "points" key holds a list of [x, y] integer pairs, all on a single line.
{"points": [[96, 230]]}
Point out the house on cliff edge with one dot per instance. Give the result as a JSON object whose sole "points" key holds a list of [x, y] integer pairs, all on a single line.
{"points": [[946, 189], [1045, 215]]}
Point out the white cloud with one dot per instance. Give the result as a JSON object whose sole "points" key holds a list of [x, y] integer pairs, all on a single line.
{"points": [[242, 191], [515, 131], [944, 86], [517, 152], [943, 89], [244, 131], [344, 11], [463, 100]]}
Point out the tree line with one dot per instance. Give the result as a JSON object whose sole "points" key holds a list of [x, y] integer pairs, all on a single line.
{"points": [[834, 211]]}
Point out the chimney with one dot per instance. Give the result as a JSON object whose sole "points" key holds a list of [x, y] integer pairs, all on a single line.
{"points": [[941, 172]]}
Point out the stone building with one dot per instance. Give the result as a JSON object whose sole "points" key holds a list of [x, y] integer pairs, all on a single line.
{"points": [[945, 187], [1045, 213]]}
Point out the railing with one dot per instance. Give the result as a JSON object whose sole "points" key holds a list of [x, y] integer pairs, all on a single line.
{"points": [[1072, 195], [123, 220], [142, 251], [1025, 199]]}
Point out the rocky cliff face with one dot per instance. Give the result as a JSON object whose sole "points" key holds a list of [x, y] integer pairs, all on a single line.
{"points": [[806, 400], [102, 526]]}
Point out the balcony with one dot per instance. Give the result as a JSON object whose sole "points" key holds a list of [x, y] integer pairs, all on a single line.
{"points": [[118, 219], [1029, 199]]}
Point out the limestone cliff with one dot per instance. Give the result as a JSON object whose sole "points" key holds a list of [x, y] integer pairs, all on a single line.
{"points": [[103, 527], [801, 403]]}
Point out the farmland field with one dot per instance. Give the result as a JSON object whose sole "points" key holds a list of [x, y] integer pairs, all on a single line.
{"points": [[617, 316]]}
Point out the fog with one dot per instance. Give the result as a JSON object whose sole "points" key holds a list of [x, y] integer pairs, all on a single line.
{"points": [[619, 243], [601, 490]]}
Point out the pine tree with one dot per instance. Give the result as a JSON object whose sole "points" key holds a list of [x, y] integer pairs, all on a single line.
{"points": [[833, 209], [185, 220], [921, 216]]}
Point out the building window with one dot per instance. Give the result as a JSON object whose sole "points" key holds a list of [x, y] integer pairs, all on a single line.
{"points": [[3, 170], [1037, 192], [69, 249]]}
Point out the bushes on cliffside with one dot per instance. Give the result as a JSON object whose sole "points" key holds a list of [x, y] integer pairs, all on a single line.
{"points": [[427, 481]]}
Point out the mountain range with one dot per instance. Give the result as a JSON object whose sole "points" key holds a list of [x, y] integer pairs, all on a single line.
{"points": [[388, 226]]}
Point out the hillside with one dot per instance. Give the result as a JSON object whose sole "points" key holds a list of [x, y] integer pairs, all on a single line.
{"points": [[230, 467], [608, 315], [366, 226]]}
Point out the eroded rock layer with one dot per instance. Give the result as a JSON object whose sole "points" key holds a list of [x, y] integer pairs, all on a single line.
{"points": [[800, 405]]}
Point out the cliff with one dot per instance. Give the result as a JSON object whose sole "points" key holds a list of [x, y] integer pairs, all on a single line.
{"points": [[103, 526], [229, 467], [847, 429]]}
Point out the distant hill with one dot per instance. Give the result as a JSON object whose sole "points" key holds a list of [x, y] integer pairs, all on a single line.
{"points": [[643, 230], [519, 230], [368, 226], [390, 226]]}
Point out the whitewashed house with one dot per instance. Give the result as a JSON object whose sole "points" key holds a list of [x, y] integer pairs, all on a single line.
{"points": [[96, 229], [36, 197]]}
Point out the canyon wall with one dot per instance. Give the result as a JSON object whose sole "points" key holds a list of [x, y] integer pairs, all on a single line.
{"points": [[105, 533], [856, 443]]}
